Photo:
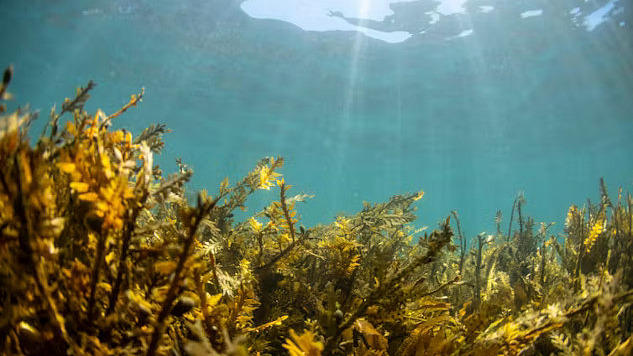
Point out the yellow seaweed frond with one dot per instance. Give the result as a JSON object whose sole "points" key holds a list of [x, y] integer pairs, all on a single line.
{"points": [[418, 196], [353, 264], [571, 214], [267, 176], [276, 322], [374, 338], [303, 345], [255, 225], [597, 229]]}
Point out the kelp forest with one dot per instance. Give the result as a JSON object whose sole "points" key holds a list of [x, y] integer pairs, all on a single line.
{"points": [[103, 254]]}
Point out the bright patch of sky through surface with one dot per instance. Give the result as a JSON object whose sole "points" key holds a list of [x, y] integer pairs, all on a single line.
{"points": [[332, 15]]}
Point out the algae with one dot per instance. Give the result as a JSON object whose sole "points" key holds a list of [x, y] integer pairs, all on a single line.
{"points": [[102, 254]]}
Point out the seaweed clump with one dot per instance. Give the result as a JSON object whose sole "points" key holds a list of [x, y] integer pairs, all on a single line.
{"points": [[101, 254]]}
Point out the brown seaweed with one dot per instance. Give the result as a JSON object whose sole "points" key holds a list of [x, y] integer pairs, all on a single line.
{"points": [[101, 254]]}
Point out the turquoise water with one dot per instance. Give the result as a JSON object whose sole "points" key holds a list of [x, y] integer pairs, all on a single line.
{"points": [[473, 106]]}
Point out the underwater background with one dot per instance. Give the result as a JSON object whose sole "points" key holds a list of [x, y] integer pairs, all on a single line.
{"points": [[471, 101]]}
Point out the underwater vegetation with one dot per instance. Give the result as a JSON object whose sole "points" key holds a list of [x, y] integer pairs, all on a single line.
{"points": [[101, 254]]}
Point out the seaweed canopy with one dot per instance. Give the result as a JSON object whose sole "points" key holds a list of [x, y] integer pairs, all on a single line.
{"points": [[530, 292], [101, 254], [98, 253]]}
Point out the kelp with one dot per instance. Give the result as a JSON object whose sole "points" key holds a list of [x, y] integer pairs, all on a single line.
{"points": [[102, 254]]}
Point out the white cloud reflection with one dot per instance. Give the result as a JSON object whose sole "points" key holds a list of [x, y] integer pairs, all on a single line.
{"points": [[531, 13], [599, 16], [319, 15], [342, 15]]}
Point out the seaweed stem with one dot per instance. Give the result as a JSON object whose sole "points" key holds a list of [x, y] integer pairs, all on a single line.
{"points": [[581, 250], [133, 101], [462, 242], [125, 247], [542, 267], [101, 242], [6, 79], [442, 286], [284, 208], [480, 246], [511, 218], [203, 210]]}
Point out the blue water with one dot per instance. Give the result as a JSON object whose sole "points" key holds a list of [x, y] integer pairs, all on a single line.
{"points": [[541, 104]]}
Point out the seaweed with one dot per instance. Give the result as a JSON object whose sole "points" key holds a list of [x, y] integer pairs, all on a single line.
{"points": [[102, 254]]}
